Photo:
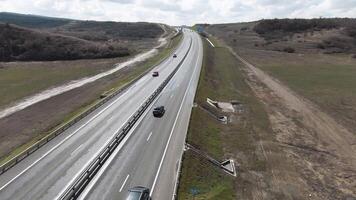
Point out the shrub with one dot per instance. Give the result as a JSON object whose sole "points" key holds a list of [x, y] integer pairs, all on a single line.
{"points": [[26, 45], [289, 50], [351, 31], [320, 46], [276, 28]]}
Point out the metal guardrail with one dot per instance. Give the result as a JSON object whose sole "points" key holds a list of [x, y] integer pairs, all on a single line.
{"points": [[12, 162], [83, 180]]}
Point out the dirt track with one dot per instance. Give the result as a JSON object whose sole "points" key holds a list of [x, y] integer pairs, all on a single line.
{"points": [[323, 151]]}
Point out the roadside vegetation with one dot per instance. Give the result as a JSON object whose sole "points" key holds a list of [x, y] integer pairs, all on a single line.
{"points": [[29, 37], [310, 100], [19, 44], [277, 28], [22, 134], [324, 78], [222, 79], [22, 79], [53, 51], [327, 80]]}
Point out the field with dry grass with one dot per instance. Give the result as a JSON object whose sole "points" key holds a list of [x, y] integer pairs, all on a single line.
{"points": [[309, 98], [22, 79]]}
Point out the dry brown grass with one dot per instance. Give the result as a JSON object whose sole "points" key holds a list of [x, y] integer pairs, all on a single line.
{"points": [[311, 156]]}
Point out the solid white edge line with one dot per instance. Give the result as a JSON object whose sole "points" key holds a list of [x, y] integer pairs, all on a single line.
{"points": [[106, 164], [60, 143], [123, 184], [104, 146], [64, 140], [210, 42], [170, 136], [117, 150], [88, 163], [179, 167]]}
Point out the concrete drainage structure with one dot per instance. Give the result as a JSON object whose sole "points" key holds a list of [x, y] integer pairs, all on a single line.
{"points": [[223, 106], [227, 166], [222, 119]]}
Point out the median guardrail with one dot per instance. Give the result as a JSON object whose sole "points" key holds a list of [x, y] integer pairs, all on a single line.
{"points": [[16, 159], [83, 180]]}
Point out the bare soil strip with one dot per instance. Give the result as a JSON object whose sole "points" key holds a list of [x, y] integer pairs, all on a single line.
{"points": [[323, 151]]}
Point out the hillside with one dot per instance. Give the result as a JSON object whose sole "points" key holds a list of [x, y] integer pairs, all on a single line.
{"points": [[32, 21], [103, 31], [37, 38], [329, 35], [21, 44]]}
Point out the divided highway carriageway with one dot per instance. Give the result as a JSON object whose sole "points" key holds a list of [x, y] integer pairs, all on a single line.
{"points": [[121, 144]]}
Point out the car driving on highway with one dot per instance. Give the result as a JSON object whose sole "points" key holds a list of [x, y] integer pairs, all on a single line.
{"points": [[139, 193], [155, 74], [174, 55], [159, 111]]}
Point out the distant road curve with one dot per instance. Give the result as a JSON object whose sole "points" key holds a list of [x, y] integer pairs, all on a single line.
{"points": [[46, 94]]}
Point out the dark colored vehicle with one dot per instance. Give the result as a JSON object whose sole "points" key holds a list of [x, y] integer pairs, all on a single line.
{"points": [[159, 111], [155, 74], [174, 55], [139, 193]]}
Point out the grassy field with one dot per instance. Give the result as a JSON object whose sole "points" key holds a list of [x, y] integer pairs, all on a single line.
{"points": [[322, 100], [118, 79], [222, 79], [21, 79], [327, 80]]}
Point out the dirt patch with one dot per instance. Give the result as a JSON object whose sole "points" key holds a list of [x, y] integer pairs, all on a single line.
{"points": [[323, 151]]}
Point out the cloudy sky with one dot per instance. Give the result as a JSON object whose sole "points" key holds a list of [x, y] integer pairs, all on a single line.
{"points": [[178, 12]]}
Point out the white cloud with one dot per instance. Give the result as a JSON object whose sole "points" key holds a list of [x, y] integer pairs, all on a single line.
{"points": [[182, 11]]}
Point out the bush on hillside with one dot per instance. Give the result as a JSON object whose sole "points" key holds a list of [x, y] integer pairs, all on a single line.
{"points": [[277, 28], [289, 50], [27, 45]]}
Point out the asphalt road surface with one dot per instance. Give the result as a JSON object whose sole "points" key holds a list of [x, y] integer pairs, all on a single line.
{"points": [[149, 155]]}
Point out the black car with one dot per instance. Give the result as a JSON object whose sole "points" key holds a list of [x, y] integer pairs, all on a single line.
{"points": [[174, 55], [155, 74], [159, 111], [139, 193]]}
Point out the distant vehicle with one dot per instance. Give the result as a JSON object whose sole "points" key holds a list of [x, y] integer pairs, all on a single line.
{"points": [[159, 111], [174, 55], [139, 193], [155, 74]]}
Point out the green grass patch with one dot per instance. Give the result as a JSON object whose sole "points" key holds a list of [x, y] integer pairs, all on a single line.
{"points": [[206, 179]]}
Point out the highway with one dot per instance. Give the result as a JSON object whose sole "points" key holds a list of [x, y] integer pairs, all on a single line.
{"points": [[148, 156]]}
